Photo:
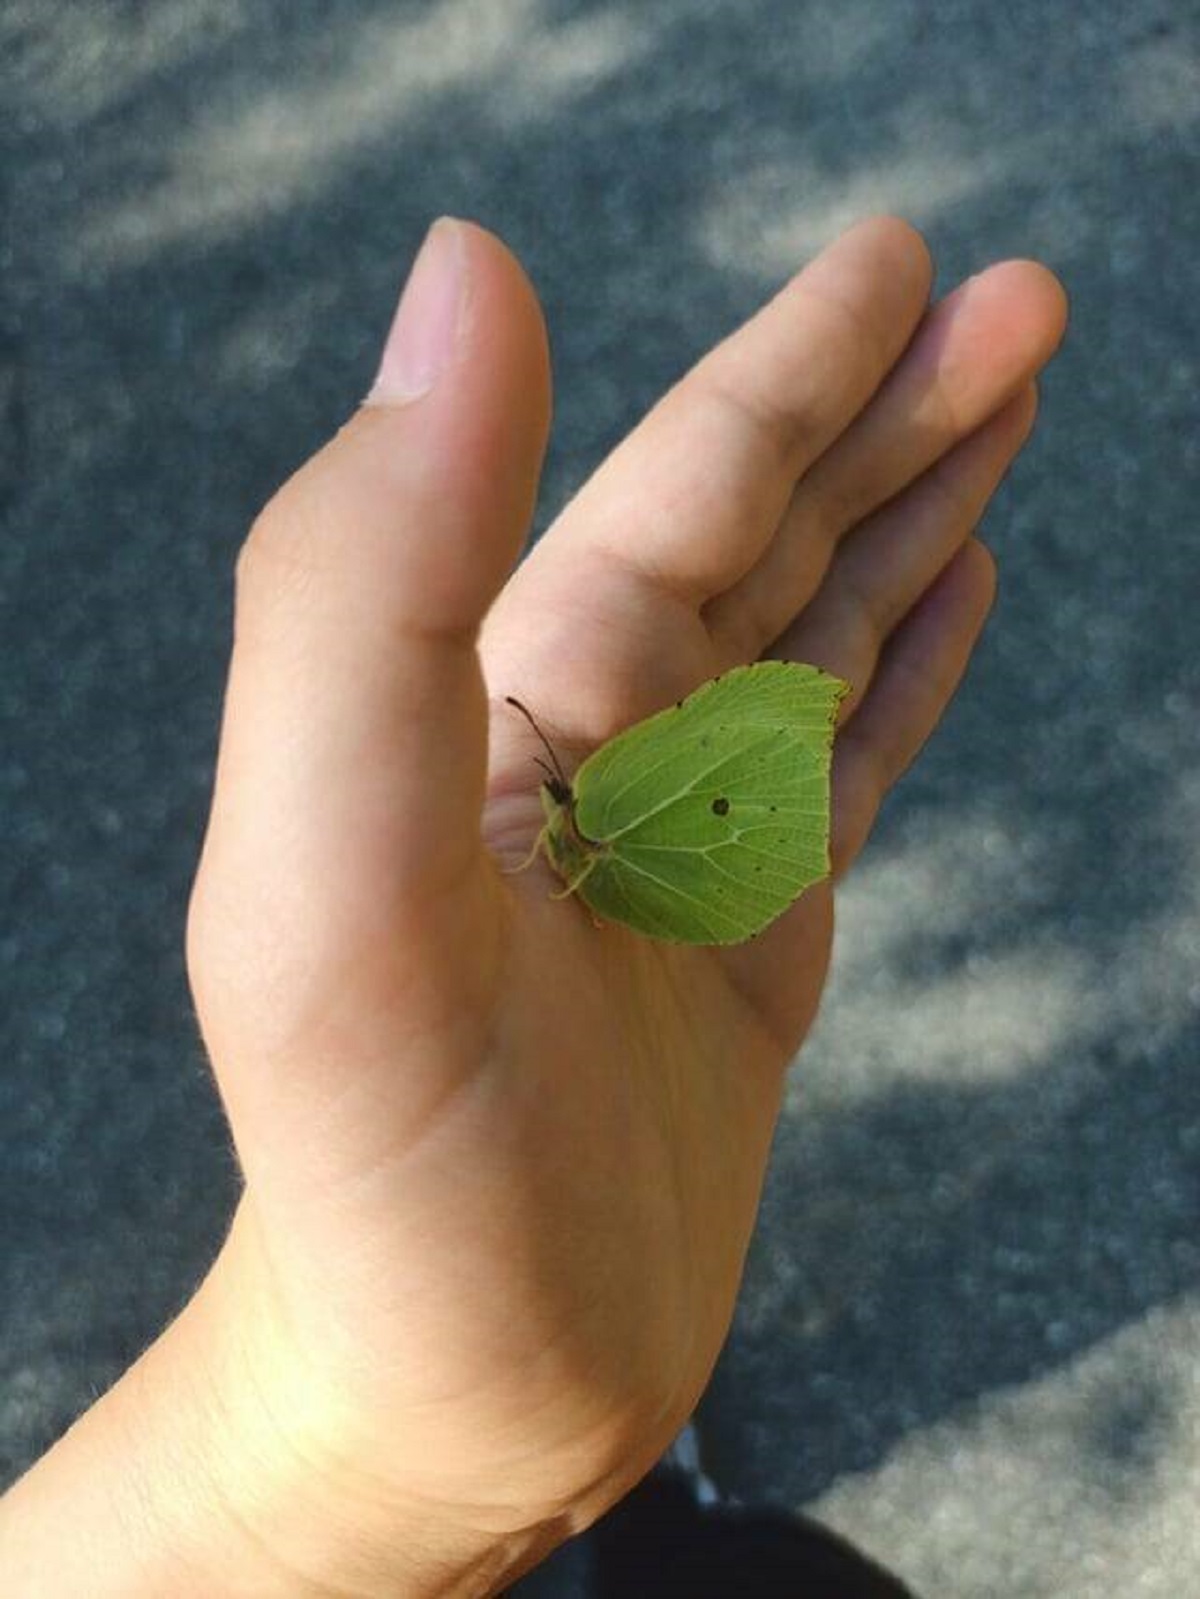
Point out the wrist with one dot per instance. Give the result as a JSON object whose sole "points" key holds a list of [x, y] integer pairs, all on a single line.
{"points": [[282, 1457], [220, 1464]]}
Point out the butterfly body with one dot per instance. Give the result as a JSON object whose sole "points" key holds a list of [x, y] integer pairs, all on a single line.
{"points": [[703, 823], [572, 856]]}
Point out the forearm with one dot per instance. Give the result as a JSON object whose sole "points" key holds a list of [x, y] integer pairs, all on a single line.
{"points": [[184, 1480]]}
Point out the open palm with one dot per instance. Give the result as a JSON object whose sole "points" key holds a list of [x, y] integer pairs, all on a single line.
{"points": [[502, 1163]]}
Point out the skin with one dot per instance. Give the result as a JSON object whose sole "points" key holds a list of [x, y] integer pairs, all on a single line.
{"points": [[502, 1165]]}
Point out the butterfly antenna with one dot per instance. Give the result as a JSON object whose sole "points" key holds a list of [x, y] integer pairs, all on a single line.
{"points": [[528, 715]]}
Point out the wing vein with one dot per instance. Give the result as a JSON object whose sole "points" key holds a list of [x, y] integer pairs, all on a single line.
{"points": [[688, 788], [672, 888]]}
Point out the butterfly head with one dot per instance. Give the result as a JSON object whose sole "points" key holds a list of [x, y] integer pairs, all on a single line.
{"points": [[558, 789]]}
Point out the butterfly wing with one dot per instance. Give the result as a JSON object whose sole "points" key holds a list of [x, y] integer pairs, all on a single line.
{"points": [[715, 813]]}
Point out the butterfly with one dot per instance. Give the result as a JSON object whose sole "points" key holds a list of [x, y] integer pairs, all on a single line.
{"points": [[702, 823]]}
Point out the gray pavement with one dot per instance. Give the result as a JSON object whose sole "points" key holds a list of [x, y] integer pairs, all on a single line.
{"points": [[970, 1331]]}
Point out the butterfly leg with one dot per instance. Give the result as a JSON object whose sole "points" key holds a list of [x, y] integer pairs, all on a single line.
{"points": [[576, 880], [511, 871]]}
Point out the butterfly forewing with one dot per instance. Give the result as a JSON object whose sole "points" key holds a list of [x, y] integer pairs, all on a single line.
{"points": [[715, 813]]}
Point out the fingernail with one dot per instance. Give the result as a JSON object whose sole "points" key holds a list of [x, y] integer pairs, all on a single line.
{"points": [[425, 327]]}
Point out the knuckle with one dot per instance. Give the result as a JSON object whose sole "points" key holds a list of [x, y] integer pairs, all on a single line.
{"points": [[959, 498], [858, 331], [280, 557], [777, 427], [865, 609], [878, 763], [949, 423]]}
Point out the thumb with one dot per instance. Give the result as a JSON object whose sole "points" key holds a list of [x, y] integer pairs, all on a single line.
{"points": [[352, 762]]}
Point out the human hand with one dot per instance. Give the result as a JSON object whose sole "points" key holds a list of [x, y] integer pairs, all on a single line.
{"points": [[502, 1165]]}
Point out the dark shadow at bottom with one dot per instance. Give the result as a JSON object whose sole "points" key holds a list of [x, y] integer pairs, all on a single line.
{"points": [[660, 1542]]}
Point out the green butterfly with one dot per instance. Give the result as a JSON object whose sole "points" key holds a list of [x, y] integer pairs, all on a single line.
{"points": [[703, 823]]}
